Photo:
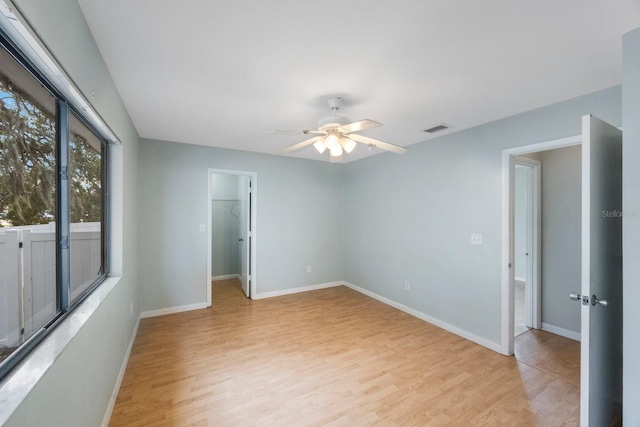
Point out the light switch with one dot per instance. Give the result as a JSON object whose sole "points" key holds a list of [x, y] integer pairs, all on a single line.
{"points": [[201, 227]]}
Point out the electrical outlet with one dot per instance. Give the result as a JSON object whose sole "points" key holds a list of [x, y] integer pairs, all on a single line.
{"points": [[308, 269], [407, 285], [476, 239]]}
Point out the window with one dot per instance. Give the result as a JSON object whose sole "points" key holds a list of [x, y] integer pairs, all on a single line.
{"points": [[86, 172], [53, 249]]}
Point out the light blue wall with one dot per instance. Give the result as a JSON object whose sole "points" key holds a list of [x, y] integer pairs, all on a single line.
{"points": [[225, 186], [77, 388], [561, 235], [410, 217], [299, 221], [631, 226]]}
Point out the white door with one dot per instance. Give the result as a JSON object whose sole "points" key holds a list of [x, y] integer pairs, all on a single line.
{"points": [[601, 293], [528, 254], [245, 221], [528, 228], [526, 251]]}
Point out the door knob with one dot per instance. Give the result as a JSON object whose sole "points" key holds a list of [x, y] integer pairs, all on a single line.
{"points": [[602, 302], [574, 297], [240, 240]]}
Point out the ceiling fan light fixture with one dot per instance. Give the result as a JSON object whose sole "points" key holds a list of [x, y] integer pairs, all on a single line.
{"points": [[319, 145], [331, 141], [339, 135], [347, 144], [336, 150]]}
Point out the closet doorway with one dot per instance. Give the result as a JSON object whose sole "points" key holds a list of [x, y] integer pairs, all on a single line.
{"points": [[232, 229]]}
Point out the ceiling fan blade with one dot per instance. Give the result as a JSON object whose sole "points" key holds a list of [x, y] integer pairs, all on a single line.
{"points": [[300, 145], [360, 125], [305, 131], [377, 143]]}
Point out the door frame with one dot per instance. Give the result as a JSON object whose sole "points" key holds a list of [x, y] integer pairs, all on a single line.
{"points": [[533, 283], [508, 273], [253, 177]]}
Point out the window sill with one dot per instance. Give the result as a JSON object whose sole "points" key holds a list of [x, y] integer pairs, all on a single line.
{"points": [[17, 386]]}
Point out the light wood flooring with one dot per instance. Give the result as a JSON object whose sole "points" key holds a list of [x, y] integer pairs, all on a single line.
{"points": [[335, 357], [519, 322]]}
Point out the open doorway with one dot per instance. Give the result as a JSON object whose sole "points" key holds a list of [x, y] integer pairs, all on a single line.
{"points": [[232, 213], [547, 261], [541, 239]]}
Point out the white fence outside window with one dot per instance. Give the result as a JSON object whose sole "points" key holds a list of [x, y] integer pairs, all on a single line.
{"points": [[28, 274]]}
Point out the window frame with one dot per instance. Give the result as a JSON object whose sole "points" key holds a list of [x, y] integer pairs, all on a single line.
{"points": [[66, 305]]}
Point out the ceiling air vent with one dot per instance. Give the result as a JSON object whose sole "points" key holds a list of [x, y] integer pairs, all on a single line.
{"points": [[437, 128]]}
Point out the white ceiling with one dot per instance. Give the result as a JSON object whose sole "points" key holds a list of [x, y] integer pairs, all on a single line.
{"points": [[223, 72]]}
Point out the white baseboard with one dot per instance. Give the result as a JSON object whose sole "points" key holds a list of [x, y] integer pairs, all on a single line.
{"points": [[225, 277], [297, 290], [437, 322], [561, 331], [171, 310], [123, 368]]}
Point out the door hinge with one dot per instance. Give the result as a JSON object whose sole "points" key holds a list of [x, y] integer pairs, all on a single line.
{"points": [[64, 172], [20, 245], [585, 299], [22, 331], [64, 242]]}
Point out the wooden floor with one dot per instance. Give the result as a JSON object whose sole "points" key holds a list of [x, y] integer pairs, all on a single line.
{"points": [[519, 321], [335, 357]]}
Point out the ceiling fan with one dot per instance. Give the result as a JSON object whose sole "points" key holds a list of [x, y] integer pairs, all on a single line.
{"points": [[337, 134]]}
